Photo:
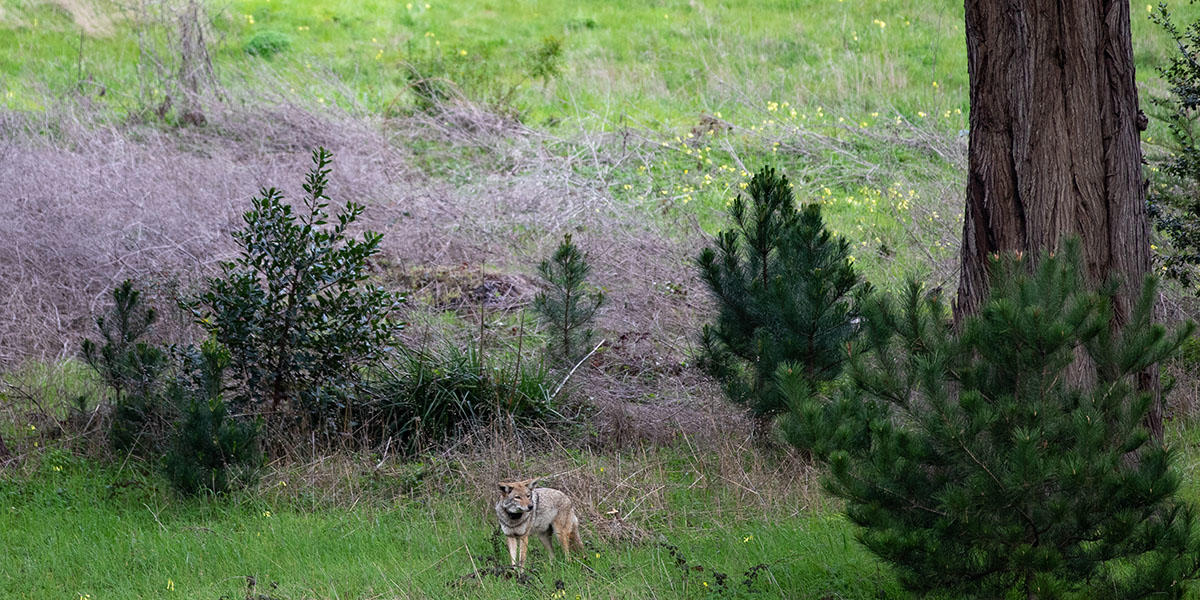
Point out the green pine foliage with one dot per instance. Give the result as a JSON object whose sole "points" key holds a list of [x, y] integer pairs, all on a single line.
{"points": [[975, 465], [1174, 196], [209, 449], [784, 289], [132, 369], [295, 309], [567, 305]]}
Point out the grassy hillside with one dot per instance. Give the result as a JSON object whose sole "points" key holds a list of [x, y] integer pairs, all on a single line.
{"points": [[477, 132], [649, 63], [659, 62], [862, 102], [654, 63]]}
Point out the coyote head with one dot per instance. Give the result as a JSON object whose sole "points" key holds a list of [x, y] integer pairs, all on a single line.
{"points": [[517, 497]]}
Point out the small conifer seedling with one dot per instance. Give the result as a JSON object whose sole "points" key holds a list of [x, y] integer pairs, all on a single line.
{"points": [[567, 306], [210, 449], [132, 368]]}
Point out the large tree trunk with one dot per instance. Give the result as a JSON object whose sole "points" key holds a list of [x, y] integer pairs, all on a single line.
{"points": [[1054, 148]]}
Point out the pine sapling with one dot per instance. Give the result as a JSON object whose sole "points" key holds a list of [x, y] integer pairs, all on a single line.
{"points": [[568, 304], [784, 288], [131, 367], [210, 449], [975, 467]]}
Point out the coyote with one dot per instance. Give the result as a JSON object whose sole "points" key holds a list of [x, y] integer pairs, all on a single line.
{"points": [[524, 509]]}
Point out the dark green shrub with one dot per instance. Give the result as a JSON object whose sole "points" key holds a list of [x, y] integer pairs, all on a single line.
{"points": [[267, 43], [975, 465], [566, 306], [438, 77], [209, 449], [424, 397], [545, 62], [295, 309], [1174, 193], [783, 286], [132, 368]]}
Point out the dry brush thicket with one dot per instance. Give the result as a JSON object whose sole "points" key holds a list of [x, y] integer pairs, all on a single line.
{"points": [[94, 204]]}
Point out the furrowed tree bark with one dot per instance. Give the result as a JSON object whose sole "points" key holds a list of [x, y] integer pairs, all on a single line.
{"points": [[1054, 145]]}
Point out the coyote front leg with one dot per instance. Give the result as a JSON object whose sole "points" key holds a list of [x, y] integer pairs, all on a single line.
{"points": [[512, 549]]}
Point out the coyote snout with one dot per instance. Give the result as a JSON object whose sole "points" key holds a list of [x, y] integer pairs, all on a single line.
{"points": [[524, 509]]}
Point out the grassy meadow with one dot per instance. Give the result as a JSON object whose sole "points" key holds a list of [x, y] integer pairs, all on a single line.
{"points": [[629, 124], [72, 528]]}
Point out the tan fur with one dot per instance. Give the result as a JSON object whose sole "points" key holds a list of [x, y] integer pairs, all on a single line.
{"points": [[547, 512]]}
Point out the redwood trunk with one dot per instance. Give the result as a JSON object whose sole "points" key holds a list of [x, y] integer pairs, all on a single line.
{"points": [[1054, 147]]}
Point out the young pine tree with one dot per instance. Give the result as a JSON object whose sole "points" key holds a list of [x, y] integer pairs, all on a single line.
{"points": [[1174, 196], [784, 287], [131, 368], [567, 306], [208, 448], [973, 465]]}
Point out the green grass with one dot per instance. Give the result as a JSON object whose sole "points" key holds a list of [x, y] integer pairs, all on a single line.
{"points": [[25, 417], [74, 528], [840, 95], [657, 63], [70, 528]]}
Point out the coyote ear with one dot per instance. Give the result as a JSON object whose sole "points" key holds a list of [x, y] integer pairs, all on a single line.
{"points": [[505, 488], [531, 483]]}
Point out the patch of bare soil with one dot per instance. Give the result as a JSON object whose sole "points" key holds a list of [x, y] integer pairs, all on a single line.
{"points": [[462, 286]]}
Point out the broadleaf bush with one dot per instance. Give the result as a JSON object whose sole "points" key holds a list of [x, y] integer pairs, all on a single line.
{"points": [[295, 308]]}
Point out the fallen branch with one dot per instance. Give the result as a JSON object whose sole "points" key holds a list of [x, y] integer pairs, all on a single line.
{"points": [[572, 371]]}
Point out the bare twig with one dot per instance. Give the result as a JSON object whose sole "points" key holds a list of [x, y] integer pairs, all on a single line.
{"points": [[572, 371]]}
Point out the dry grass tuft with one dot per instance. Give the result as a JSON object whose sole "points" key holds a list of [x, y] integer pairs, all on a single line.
{"points": [[89, 15], [621, 495]]}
